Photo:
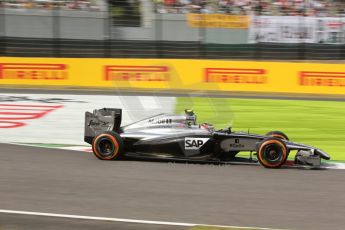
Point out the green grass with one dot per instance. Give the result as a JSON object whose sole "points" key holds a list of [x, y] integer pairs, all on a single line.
{"points": [[317, 123]]}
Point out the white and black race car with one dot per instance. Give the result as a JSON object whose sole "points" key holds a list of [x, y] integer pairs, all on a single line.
{"points": [[179, 138]]}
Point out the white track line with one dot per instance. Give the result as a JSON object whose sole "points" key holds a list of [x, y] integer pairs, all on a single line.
{"points": [[120, 219]]}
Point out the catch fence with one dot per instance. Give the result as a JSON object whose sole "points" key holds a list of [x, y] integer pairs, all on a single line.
{"points": [[148, 30]]}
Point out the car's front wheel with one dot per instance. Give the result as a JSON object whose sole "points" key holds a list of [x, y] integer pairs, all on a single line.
{"points": [[107, 146], [272, 152]]}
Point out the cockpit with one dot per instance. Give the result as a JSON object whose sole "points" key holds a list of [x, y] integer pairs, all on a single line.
{"points": [[191, 121]]}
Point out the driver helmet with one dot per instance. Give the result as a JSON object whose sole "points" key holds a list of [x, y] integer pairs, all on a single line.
{"points": [[190, 117]]}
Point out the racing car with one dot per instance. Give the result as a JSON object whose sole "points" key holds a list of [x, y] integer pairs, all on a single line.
{"points": [[178, 137]]}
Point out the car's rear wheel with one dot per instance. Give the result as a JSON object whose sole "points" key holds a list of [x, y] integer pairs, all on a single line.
{"points": [[108, 146], [278, 134], [272, 153]]}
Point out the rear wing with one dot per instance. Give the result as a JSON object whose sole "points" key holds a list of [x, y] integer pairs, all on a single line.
{"points": [[101, 120]]}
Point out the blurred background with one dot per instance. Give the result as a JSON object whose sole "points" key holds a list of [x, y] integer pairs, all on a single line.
{"points": [[200, 29]]}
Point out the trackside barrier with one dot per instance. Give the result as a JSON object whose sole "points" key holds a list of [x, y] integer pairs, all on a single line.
{"points": [[171, 74]]}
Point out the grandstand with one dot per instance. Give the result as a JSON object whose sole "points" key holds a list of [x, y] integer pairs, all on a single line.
{"points": [[219, 29], [324, 8], [51, 4]]}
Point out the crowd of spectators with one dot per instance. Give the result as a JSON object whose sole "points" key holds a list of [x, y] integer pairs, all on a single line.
{"points": [[51, 4], [254, 7], [234, 7]]}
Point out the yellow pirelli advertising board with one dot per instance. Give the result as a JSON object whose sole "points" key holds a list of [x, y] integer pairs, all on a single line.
{"points": [[170, 74], [218, 21]]}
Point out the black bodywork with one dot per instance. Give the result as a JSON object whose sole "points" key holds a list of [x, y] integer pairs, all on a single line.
{"points": [[179, 137]]}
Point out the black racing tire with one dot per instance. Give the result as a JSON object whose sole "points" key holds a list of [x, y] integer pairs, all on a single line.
{"points": [[278, 134], [272, 152], [108, 146]]}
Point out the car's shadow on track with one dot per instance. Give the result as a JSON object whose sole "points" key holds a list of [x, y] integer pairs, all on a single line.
{"points": [[220, 163]]}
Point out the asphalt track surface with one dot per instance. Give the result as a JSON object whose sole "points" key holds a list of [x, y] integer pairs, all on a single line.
{"points": [[26, 222], [71, 182]]}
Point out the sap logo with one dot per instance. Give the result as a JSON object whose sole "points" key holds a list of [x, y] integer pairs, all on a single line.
{"points": [[194, 143]]}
